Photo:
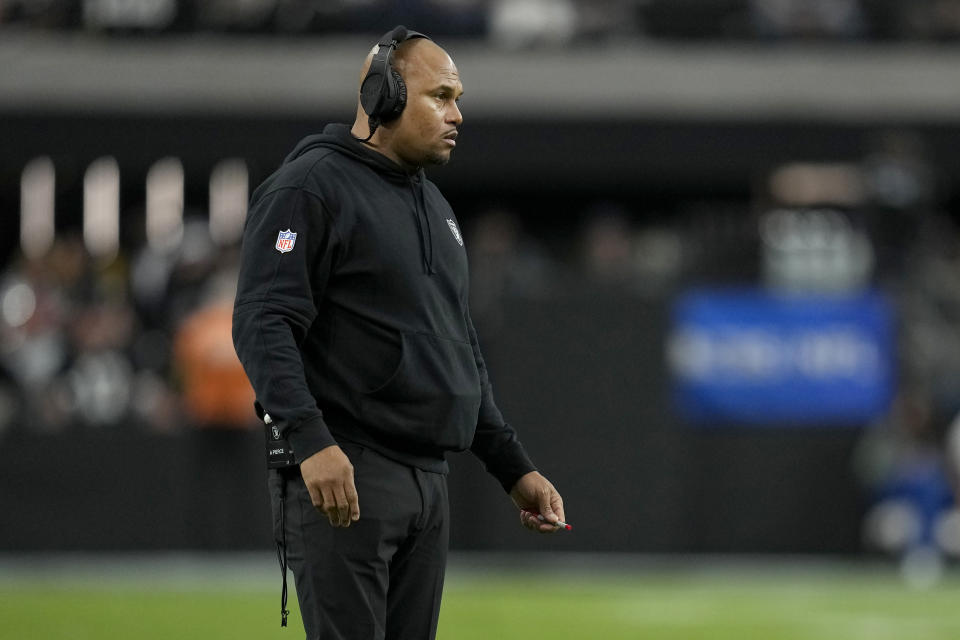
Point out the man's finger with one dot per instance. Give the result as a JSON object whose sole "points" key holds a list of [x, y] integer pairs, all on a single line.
{"points": [[545, 526], [343, 508], [557, 505], [353, 500], [535, 522], [546, 510], [316, 498], [330, 506]]}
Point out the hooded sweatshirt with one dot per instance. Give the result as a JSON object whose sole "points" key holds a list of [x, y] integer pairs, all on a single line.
{"points": [[351, 316]]}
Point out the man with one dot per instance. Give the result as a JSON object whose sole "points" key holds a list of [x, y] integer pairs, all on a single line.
{"points": [[352, 323]]}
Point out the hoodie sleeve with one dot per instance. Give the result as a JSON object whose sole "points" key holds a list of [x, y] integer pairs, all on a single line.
{"points": [[495, 442], [281, 278]]}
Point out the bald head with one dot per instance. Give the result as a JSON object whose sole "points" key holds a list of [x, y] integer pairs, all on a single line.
{"points": [[421, 55]]}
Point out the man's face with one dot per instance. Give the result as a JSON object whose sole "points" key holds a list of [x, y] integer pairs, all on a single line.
{"points": [[426, 131]]}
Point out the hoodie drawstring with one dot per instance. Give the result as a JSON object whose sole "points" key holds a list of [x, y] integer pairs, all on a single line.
{"points": [[423, 227]]}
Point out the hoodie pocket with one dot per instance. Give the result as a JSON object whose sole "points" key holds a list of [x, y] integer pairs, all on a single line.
{"points": [[362, 356], [433, 395]]}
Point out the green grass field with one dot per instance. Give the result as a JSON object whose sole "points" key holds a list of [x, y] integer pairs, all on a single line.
{"points": [[770, 602]]}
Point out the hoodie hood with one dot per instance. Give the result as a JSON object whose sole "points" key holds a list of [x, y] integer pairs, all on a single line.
{"points": [[339, 137]]}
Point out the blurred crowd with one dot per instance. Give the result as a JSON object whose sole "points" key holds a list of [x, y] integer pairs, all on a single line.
{"points": [[97, 338], [511, 23], [142, 341], [142, 334], [141, 338]]}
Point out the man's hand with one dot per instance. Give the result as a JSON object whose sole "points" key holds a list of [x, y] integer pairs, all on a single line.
{"points": [[534, 494], [328, 475]]}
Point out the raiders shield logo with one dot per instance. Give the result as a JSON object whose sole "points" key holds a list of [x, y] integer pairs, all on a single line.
{"points": [[455, 231], [285, 241]]}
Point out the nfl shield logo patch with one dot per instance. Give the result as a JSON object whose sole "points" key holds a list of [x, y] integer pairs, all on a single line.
{"points": [[286, 240], [455, 231]]}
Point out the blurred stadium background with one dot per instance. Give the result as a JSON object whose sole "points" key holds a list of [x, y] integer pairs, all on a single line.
{"points": [[715, 257]]}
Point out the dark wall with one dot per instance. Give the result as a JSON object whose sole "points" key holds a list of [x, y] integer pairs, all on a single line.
{"points": [[584, 381], [126, 489], [582, 378]]}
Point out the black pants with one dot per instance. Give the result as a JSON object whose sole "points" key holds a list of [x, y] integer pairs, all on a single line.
{"points": [[381, 578]]}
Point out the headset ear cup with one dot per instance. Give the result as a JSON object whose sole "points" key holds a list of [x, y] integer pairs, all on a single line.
{"points": [[370, 94], [400, 95], [394, 98]]}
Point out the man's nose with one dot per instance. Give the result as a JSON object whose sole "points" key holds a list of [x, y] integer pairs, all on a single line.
{"points": [[453, 114]]}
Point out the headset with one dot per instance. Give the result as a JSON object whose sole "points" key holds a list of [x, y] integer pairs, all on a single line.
{"points": [[383, 94]]}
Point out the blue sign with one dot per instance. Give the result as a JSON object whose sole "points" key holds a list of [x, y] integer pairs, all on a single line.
{"points": [[750, 356]]}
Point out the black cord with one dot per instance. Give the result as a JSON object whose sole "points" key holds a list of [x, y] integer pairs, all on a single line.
{"points": [[282, 554], [372, 123]]}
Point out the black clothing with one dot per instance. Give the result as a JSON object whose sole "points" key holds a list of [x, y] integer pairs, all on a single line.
{"points": [[382, 577], [357, 328]]}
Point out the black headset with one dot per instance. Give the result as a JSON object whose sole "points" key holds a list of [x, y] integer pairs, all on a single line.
{"points": [[383, 93]]}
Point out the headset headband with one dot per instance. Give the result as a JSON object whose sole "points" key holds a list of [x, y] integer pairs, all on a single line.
{"points": [[399, 34]]}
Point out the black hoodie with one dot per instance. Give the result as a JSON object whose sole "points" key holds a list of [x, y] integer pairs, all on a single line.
{"points": [[351, 317]]}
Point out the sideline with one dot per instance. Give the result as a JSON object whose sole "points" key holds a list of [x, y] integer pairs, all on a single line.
{"points": [[255, 571]]}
